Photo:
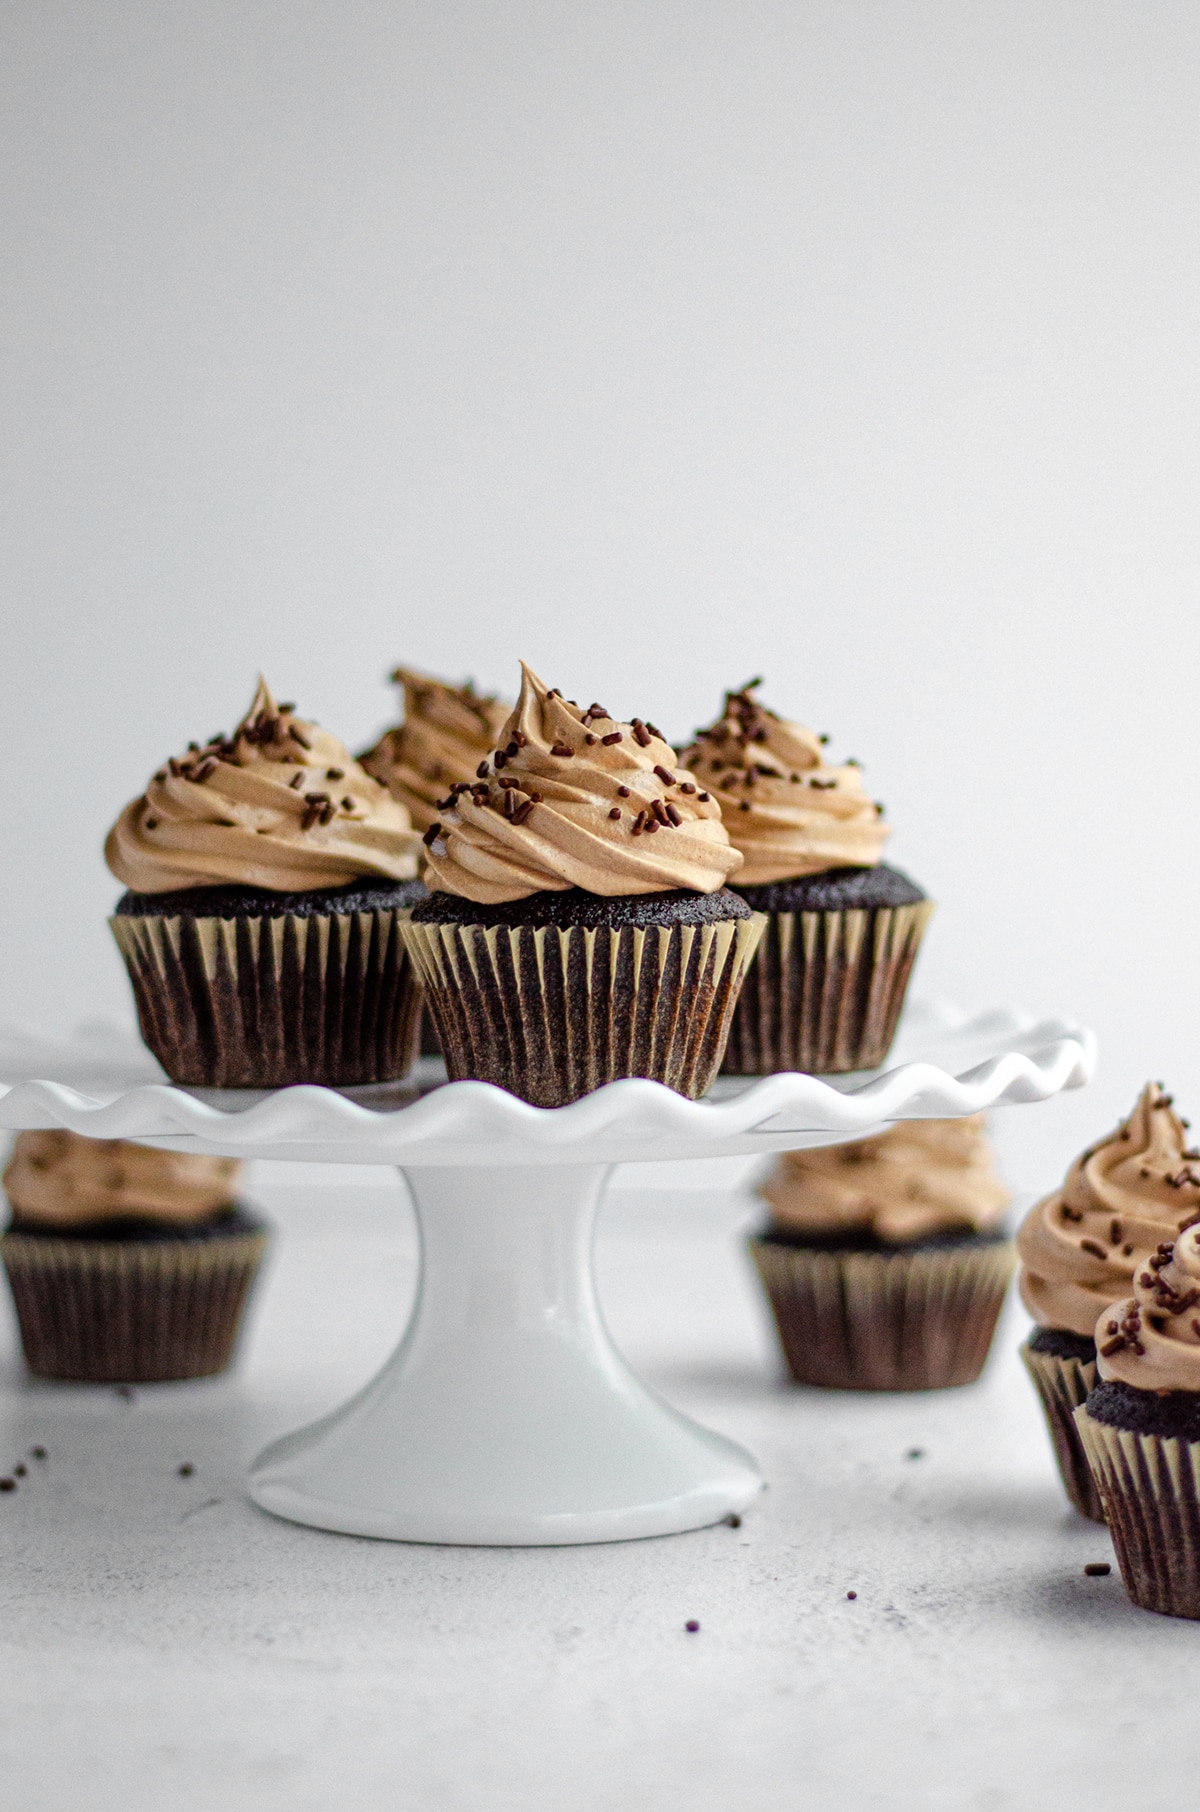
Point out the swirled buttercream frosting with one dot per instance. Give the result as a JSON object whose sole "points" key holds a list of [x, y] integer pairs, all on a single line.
{"points": [[1080, 1246], [1152, 1338], [446, 732], [60, 1179], [280, 804], [572, 798], [785, 807], [918, 1179]]}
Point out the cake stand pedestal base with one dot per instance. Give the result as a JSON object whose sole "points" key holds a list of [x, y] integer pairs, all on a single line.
{"points": [[506, 1416]]}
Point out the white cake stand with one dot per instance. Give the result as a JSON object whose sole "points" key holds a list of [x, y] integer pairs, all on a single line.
{"points": [[506, 1415]]}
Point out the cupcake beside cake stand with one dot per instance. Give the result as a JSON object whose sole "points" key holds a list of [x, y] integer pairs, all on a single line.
{"points": [[506, 1414]]}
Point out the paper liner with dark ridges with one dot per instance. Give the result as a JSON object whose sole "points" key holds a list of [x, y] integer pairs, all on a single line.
{"points": [[921, 1320], [266, 1002], [552, 1012], [825, 991], [1150, 1487], [1062, 1385], [129, 1311]]}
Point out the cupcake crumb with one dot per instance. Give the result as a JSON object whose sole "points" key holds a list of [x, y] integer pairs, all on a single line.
{"points": [[691, 1626], [8, 1484], [915, 1453], [1097, 1569], [186, 1470], [734, 1521], [37, 1453], [20, 1469], [852, 1594]]}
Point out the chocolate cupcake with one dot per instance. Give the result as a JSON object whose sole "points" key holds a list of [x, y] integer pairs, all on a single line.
{"points": [[268, 875], [825, 990], [886, 1261], [127, 1265], [1080, 1248], [1140, 1427], [447, 731], [578, 928]]}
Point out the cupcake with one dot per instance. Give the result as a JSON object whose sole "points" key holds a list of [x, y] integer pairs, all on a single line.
{"points": [[447, 731], [886, 1260], [578, 928], [1079, 1251], [127, 1265], [268, 875], [826, 988], [1140, 1426]]}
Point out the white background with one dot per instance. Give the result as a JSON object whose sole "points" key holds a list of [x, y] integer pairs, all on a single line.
{"points": [[662, 344]]}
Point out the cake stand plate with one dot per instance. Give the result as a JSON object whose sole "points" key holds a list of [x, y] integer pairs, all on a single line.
{"points": [[506, 1415]]}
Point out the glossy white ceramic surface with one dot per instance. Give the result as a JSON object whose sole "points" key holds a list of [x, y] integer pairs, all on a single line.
{"points": [[506, 1415], [943, 1064]]}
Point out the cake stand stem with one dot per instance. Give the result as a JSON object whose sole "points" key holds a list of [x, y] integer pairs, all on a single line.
{"points": [[506, 1415]]}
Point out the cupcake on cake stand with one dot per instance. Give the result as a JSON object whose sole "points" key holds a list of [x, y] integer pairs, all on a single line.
{"points": [[506, 1414]]}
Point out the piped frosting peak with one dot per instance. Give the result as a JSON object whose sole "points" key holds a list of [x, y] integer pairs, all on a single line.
{"points": [[1081, 1246], [446, 731], [570, 797], [788, 810], [280, 804]]}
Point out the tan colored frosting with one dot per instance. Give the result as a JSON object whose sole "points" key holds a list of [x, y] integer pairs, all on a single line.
{"points": [[611, 812], [787, 810], [1152, 1338], [60, 1179], [447, 730], [1080, 1246], [919, 1178], [281, 804]]}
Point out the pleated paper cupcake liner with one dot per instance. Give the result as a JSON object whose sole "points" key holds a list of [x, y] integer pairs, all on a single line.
{"points": [[265, 1002], [130, 1311], [919, 1320], [429, 1044], [1062, 1385], [825, 991], [552, 1012], [1150, 1486]]}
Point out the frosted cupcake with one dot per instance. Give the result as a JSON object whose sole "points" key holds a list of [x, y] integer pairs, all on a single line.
{"points": [[578, 927], [886, 1260], [1080, 1249], [825, 991], [268, 875], [447, 731], [127, 1265], [1140, 1428]]}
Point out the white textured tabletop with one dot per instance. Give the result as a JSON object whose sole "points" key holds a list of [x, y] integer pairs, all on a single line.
{"points": [[165, 1644]]}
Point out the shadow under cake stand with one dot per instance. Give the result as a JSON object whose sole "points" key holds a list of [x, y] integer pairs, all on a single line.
{"points": [[506, 1415]]}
